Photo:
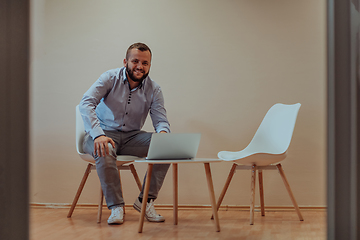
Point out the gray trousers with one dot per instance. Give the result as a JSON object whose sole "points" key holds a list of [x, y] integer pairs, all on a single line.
{"points": [[134, 143]]}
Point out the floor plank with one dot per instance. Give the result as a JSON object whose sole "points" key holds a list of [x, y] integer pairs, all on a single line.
{"points": [[47, 223]]}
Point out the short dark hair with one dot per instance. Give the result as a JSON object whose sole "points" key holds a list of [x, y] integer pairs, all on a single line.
{"points": [[140, 46]]}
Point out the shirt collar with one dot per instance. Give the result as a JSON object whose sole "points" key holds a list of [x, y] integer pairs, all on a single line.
{"points": [[141, 85]]}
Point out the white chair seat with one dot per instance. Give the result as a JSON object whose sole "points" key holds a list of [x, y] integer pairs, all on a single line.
{"points": [[245, 158], [120, 159]]}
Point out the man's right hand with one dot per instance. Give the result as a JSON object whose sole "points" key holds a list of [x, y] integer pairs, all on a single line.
{"points": [[101, 145]]}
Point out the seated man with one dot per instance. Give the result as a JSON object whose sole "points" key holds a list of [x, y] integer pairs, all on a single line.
{"points": [[114, 110]]}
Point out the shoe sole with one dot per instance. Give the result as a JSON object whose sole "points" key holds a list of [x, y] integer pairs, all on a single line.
{"points": [[116, 223], [139, 210]]}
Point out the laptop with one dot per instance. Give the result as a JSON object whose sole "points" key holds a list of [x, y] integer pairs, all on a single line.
{"points": [[173, 146]]}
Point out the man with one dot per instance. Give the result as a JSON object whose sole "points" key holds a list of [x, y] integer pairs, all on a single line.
{"points": [[114, 110]]}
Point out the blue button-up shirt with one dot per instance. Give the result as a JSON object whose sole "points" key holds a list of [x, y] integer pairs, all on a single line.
{"points": [[109, 104]]}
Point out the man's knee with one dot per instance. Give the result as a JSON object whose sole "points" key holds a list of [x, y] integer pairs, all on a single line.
{"points": [[112, 150], [109, 159]]}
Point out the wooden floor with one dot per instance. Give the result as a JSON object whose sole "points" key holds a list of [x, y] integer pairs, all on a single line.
{"points": [[46, 223]]}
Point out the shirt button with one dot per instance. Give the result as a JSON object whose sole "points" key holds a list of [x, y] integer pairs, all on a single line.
{"points": [[123, 124], [126, 113]]}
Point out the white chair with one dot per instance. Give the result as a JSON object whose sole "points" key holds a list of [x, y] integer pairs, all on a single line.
{"points": [[268, 146], [122, 164]]}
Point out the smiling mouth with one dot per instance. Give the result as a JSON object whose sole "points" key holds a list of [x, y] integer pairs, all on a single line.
{"points": [[139, 71]]}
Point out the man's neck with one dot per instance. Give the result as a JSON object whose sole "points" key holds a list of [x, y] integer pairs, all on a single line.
{"points": [[133, 84]]}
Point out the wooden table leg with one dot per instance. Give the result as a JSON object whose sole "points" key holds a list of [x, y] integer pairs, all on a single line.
{"points": [[175, 196], [145, 197], [212, 196]]}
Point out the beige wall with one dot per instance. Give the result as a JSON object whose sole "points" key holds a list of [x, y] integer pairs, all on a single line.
{"points": [[221, 65]]}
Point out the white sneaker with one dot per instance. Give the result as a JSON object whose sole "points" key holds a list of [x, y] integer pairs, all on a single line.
{"points": [[150, 212], [117, 216]]}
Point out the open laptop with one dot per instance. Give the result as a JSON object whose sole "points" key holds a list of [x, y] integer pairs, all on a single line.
{"points": [[171, 146]]}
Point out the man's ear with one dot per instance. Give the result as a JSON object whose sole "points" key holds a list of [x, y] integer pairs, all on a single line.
{"points": [[125, 62]]}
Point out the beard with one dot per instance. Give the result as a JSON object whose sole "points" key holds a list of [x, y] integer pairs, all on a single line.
{"points": [[131, 75]]}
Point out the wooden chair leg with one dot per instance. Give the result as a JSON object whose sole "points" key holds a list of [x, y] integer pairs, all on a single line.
{"points": [[261, 189], [121, 189], [252, 199], [78, 193], [282, 174], [101, 200], [136, 176], [225, 188]]}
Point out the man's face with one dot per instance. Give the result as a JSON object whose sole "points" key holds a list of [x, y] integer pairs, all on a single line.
{"points": [[138, 65]]}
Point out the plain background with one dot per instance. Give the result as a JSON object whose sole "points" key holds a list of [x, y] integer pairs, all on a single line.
{"points": [[221, 66]]}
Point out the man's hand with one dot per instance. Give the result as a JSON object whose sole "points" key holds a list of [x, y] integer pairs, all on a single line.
{"points": [[162, 132], [101, 145]]}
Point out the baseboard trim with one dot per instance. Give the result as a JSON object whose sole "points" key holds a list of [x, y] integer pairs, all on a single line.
{"points": [[189, 207]]}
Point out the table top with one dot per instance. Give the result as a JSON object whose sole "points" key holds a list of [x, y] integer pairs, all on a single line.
{"points": [[194, 160]]}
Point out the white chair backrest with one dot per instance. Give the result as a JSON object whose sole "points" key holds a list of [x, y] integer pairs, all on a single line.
{"points": [[276, 129], [80, 131]]}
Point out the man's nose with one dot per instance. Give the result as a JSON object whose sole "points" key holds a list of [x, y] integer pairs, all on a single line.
{"points": [[139, 66]]}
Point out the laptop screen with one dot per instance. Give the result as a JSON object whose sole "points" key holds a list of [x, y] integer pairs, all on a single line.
{"points": [[173, 146]]}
